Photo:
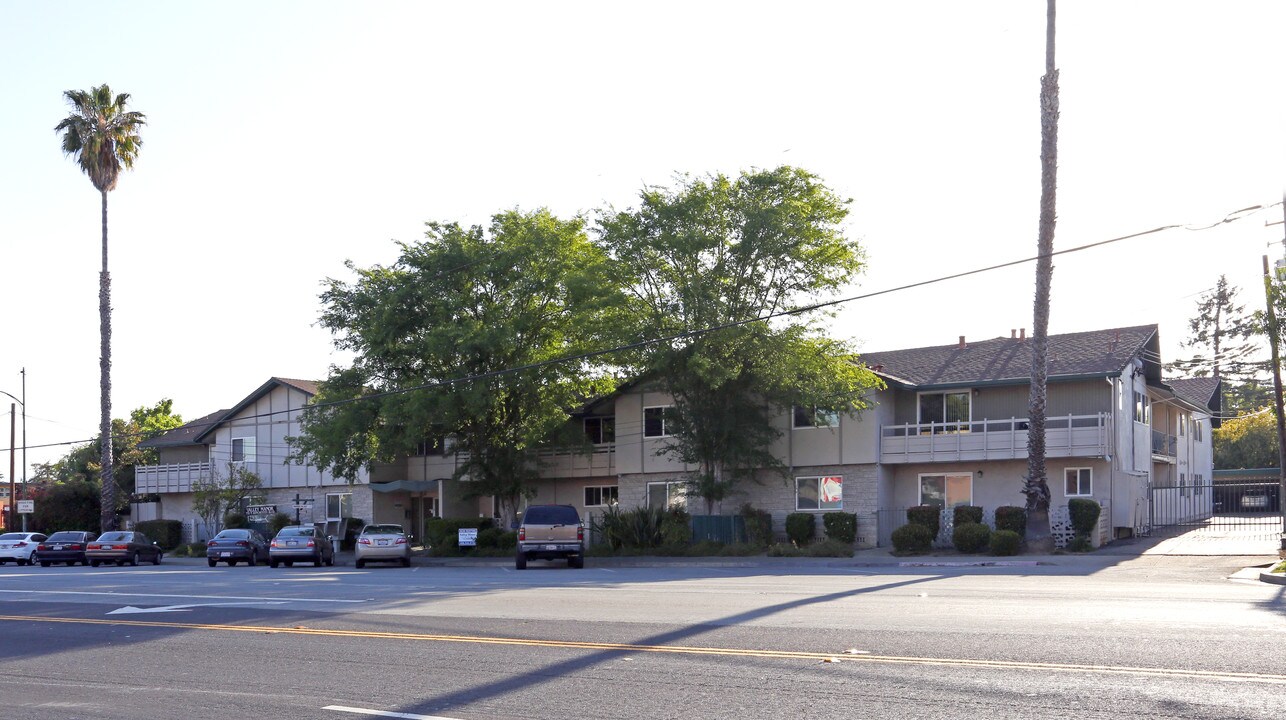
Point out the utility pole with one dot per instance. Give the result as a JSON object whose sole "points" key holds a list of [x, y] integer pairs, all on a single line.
{"points": [[9, 523], [1273, 339]]}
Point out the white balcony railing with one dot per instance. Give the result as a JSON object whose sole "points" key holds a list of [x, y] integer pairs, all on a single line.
{"points": [[1065, 436], [171, 478]]}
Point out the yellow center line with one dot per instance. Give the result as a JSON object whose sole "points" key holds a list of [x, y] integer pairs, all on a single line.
{"points": [[676, 649]]}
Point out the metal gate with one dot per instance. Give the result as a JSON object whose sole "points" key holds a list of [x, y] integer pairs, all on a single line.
{"points": [[1249, 510]]}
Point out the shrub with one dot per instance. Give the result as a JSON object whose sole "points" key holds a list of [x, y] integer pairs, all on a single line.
{"points": [[490, 537], [637, 528], [443, 531], [1012, 518], [912, 538], [1084, 513], [167, 533], [829, 547], [930, 516], [784, 550], [800, 528], [840, 526], [676, 527], [1005, 542], [740, 549], [1080, 544], [758, 525], [971, 537], [965, 514], [235, 521], [279, 521]]}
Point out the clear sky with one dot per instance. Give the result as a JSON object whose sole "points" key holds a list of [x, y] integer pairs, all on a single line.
{"points": [[284, 138]]}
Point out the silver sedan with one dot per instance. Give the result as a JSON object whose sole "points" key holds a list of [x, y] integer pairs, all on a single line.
{"points": [[382, 543]]}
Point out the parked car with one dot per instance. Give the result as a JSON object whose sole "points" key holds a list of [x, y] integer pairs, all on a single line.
{"points": [[234, 546], [1255, 499], [122, 546], [382, 543], [300, 543], [551, 532], [21, 547], [65, 546]]}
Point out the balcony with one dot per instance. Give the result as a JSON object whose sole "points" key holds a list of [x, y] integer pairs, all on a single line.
{"points": [[172, 478], [572, 464], [1164, 447], [1065, 436]]}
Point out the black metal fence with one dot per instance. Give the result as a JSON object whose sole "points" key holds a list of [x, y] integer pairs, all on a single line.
{"points": [[1249, 509]]}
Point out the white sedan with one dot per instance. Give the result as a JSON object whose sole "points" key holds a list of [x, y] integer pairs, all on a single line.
{"points": [[382, 543], [20, 547]]}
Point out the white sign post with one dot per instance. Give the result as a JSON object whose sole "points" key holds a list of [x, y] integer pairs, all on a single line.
{"points": [[26, 507], [468, 537]]}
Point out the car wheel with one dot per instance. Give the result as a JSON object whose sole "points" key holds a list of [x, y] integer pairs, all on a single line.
{"points": [[250, 561], [156, 560], [360, 564], [44, 563], [211, 562], [577, 562], [33, 559], [520, 561], [133, 560], [92, 563], [272, 563], [406, 562], [331, 561]]}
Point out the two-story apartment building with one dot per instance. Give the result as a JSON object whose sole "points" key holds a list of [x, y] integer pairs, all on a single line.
{"points": [[950, 428]]}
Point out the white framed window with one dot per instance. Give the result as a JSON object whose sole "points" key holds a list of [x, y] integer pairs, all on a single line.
{"points": [[667, 494], [1198, 483], [946, 489], [952, 410], [1078, 482], [600, 430], [1183, 425], [339, 506], [1142, 408], [811, 416], [243, 449], [825, 492], [1197, 433], [602, 495], [654, 421]]}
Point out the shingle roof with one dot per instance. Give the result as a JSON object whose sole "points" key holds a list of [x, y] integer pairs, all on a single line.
{"points": [[1199, 390], [185, 434], [308, 387], [1008, 360]]}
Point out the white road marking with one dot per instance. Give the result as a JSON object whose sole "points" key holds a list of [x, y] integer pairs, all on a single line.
{"points": [[384, 713], [131, 610], [192, 597]]}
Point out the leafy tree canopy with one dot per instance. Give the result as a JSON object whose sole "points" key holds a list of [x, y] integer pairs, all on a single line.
{"points": [[458, 337], [1247, 442], [1227, 343], [725, 253]]}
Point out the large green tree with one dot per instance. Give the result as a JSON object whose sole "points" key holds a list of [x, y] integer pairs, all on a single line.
{"points": [[704, 264], [463, 336], [1226, 339], [1246, 442], [102, 135]]}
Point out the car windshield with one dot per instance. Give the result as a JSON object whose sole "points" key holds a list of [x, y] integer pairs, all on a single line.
{"points": [[66, 537], [13, 536], [382, 530], [237, 534], [551, 515], [115, 537], [296, 532]]}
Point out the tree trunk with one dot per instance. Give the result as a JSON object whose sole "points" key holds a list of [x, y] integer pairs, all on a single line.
{"points": [[1036, 485], [107, 515]]}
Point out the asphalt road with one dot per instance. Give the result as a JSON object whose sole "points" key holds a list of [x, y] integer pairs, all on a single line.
{"points": [[1097, 637]]}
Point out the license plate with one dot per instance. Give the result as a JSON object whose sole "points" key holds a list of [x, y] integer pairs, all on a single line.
{"points": [[291, 543], [381, 542], [58, 547], [225, 554], [551, 547]]}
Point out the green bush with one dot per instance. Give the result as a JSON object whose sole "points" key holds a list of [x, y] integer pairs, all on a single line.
{"points": [[1080, 544], [167, 533], [912, 538], [930, 516], [965, 514], [840, 526], [1012, 518], [1005, 542], [279, 521], [971, 537], [439, 531], [236, 521], [829, 548], [800, 528], [636, 528], [784, 550], [497, 538], [1084, 514], [758, 525], [676, 527]]}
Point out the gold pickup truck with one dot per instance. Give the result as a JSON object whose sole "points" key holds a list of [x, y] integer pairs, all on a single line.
{"points": [[551, 532]]}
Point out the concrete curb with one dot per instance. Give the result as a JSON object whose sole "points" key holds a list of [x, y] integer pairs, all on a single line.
{"points": [[1274, 578]]}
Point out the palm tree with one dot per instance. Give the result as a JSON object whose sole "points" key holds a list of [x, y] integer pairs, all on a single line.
{"points": [[103, 137], [1036, 485]]}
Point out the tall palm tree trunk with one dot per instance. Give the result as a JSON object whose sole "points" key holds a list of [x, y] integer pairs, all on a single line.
{"points": [[1036, 485], [107, 515]]}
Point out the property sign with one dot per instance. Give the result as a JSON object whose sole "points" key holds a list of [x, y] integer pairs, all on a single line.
{"points": [[26, 507], [260, 512], [468, 537]]}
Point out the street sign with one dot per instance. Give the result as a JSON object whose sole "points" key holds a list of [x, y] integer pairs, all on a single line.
{"points": [[26, 507], [468, 537]]}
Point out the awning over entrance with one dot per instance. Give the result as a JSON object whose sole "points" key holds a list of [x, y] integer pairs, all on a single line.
{"points": [[406, 486]]}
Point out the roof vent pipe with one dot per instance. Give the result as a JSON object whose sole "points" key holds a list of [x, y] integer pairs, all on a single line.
{"points": [[962, 342], [1022, 334], [1013, 334]]}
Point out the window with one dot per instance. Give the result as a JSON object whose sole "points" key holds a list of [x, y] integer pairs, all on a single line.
{"points": [[1196, 431], [1183, 425], [1077, 482], [436, 445], [654, 424], [666, 494], [600, 430], [243, 449], [809, 416], [946, 408], [1184, 490], [1142, 408], [946, 490], [601, 495], [819, 493], [339, 505]]}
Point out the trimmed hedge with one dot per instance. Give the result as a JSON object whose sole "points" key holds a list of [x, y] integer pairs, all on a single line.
{"points": [[167, 533], [499, 538], [971, 537], [758, 525], [800, 528], [840, 526], [930, 516], [964, 514], [1013, 519], [1005, 542], [912, 538], [1084, 513]]}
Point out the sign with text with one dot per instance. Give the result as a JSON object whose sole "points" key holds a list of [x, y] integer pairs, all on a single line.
{"points": [[261, 509], [468, 537], [26, 507]]}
